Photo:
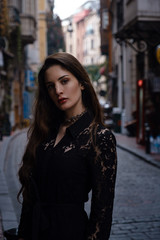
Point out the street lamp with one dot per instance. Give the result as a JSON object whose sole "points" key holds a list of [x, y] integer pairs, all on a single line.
{"points": [[70, 27]]}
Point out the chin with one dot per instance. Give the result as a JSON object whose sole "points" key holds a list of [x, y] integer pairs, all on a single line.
{"points": [[63, 108]]}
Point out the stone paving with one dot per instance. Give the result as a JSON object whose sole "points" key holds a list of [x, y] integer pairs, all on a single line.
{"points": [[137, 200], [1, 229], [136, 228], [129, 144]]}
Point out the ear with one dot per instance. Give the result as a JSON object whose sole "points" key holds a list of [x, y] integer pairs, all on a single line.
{"points": [[82, 87]]}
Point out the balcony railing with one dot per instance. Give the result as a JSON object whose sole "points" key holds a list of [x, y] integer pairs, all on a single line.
{"points": [[28, 28], [14, 18]]}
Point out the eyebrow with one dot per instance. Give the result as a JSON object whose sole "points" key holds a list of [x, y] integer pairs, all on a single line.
{"points": [[62, 77], [58, 78]]}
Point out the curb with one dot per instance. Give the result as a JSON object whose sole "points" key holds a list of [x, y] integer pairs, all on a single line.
{"points": [[142, 156]]}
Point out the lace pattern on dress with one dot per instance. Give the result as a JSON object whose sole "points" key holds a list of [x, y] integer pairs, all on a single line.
{"points": [[104, 174], [102, 160]]}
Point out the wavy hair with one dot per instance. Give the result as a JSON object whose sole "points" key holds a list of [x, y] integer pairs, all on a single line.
{"points": [[47, 114]]}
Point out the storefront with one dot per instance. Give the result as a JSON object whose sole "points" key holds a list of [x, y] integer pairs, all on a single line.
{"points": [[144, 38]]}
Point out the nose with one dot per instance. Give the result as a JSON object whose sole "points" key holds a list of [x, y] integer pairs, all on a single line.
{"points": [[58, 89]]}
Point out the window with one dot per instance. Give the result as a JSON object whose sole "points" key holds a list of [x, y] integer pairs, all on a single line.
{"points": [[89, 29], [105, 18], [119, 13], [70, 48], [92, 60], [92, 44], [20, 5]]}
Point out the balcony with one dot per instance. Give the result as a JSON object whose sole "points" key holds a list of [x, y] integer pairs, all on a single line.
{"points": [[28, 28], [14, 18], [141, 20], [139, 10]]}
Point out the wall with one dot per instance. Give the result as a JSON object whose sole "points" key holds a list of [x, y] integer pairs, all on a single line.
{"points": [[42, 30]]}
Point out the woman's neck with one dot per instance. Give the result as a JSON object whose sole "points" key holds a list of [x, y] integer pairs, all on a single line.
{"points": [[71, 114], [74, 118]]}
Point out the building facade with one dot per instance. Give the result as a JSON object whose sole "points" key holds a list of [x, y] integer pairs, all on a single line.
{"points": [[82, 34], [43, 8], [91, 41], [20, 30], [136, 67]]}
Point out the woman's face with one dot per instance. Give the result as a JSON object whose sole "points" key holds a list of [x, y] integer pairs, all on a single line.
{"points": [[65, 90]]}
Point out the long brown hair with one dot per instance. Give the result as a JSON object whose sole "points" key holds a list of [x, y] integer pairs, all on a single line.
{"points": [[47, 114]]}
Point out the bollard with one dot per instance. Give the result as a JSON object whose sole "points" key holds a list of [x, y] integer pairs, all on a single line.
{"points": [[1, 135], [147, 138], [11, 234]]}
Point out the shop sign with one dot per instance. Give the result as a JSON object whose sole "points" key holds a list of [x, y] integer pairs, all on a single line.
{"points": [[158, 53], [29, 78], [26, 105]]}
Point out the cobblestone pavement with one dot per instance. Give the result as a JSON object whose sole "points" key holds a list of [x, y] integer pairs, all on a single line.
{"points": [[1, 232], [137, 200], [136, 213], [136, 228]]}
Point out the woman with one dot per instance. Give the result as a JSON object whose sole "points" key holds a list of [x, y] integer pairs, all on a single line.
{"points": [[69, 153]]}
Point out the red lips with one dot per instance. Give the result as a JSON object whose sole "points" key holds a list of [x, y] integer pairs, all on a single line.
{"points": [[62, 100]]}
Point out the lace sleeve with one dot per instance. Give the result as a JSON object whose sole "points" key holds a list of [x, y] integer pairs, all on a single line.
{"points": [[103, 172]]}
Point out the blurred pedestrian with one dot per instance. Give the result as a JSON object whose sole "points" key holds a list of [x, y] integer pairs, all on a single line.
{"points": [[69, 153]]}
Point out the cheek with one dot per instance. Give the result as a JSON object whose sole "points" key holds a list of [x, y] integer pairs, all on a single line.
{"points": [[76, 89]]}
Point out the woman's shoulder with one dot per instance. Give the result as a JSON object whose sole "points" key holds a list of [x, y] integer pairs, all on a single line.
{"points": [[104, 134]]}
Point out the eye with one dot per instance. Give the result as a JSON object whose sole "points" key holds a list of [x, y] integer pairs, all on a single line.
{"points": [[50, 86], [64, 81]]}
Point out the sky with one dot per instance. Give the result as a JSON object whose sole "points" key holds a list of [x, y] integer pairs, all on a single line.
{"points": [[65, 8]]}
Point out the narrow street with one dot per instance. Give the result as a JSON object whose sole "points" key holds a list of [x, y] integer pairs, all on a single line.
{"points": [[137, 200], [137, 197]]}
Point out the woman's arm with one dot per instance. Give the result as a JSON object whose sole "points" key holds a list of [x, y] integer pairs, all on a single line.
{"points": [[103, 172]]}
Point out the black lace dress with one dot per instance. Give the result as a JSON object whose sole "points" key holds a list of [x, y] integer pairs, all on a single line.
{"points": [[61, 181]]}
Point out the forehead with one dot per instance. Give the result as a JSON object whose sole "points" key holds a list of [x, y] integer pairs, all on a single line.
{"points": [[55, 72]]}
